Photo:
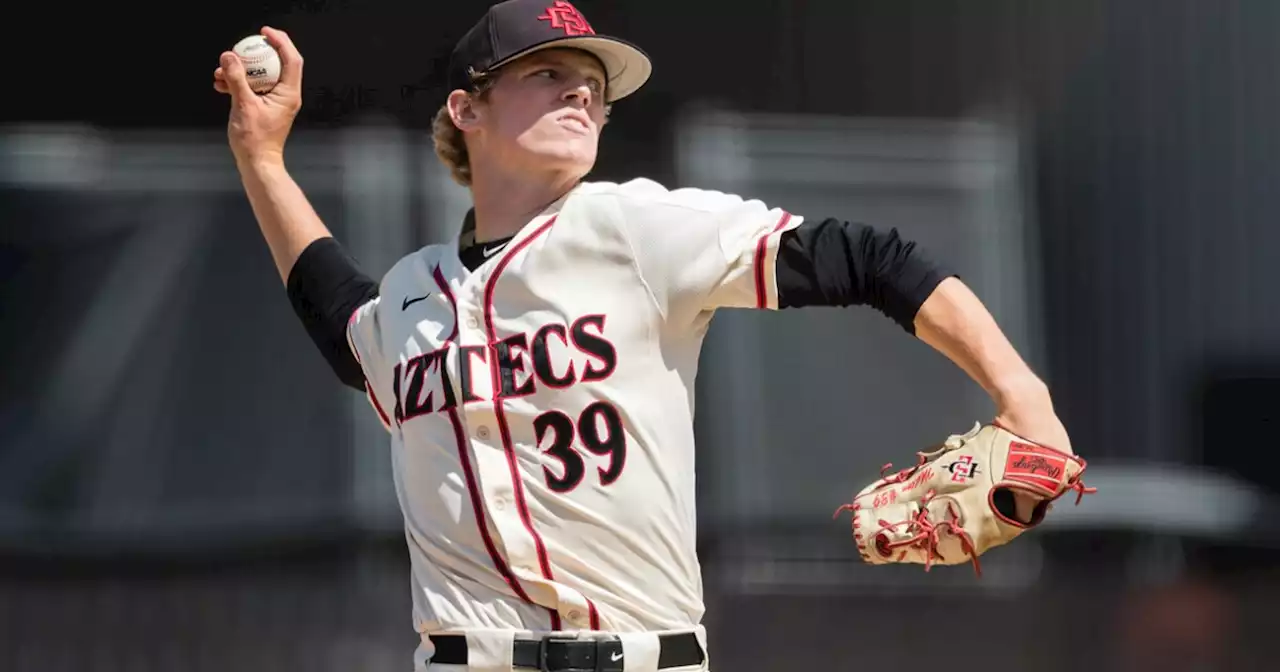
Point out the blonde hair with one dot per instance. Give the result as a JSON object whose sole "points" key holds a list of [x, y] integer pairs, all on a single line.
{"points": [[450, 146]]}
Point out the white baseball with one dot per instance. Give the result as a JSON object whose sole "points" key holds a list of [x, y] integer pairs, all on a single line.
{"points": [[261, 62]]}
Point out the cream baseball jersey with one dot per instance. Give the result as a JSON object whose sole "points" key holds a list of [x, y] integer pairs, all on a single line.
{"points": [[540, 408]]}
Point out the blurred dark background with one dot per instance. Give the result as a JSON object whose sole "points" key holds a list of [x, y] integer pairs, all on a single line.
{"points": [[184, 486]]}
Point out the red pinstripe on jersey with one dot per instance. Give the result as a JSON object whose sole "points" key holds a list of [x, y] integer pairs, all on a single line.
{"points": [[762, 249]]}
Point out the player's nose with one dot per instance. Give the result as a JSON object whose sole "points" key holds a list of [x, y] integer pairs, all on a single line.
{"points": [[580, 93]]}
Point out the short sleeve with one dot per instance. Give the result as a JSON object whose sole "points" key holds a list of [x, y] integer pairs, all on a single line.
{"points": [[700, 250], [364, 335]]}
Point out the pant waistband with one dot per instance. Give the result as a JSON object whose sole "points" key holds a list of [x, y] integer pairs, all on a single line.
{"points": [[561, 654]]}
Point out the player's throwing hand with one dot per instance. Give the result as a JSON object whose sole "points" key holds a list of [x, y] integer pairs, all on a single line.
{"points": [[259, 124]]}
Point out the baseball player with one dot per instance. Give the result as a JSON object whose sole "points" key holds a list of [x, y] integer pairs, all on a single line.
{"points": [[536, 374]]}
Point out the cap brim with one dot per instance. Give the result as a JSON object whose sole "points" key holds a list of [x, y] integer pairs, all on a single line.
{"points": [[625, 64]]}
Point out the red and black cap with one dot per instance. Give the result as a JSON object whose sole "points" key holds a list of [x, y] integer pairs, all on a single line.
{"points": [[514, 28]]}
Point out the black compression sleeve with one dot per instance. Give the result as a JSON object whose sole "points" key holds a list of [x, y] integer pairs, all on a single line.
{"points": [[834, 263], [325, 286]]}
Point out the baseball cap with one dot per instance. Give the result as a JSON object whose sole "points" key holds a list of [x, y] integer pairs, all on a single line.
{"points": [[515, 28]]}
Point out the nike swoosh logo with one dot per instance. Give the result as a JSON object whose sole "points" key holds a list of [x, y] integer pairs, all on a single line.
{"points": [[615, 656], [489, 253], [409, 302]]}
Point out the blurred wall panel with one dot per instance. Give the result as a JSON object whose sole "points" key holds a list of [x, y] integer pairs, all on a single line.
{"points": [[1156, 188], [162, 396]]}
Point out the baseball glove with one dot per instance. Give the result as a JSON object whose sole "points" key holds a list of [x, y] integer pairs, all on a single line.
{"points": [[962, 499]]}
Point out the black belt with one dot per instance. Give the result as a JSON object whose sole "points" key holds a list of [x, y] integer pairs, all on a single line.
{"points": [[557, 654]]}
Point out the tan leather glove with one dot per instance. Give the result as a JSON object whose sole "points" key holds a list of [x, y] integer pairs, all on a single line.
{"points": [[961, 499]]}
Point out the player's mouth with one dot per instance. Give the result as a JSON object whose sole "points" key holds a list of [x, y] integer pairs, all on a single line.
{"points": [[575, 123]]}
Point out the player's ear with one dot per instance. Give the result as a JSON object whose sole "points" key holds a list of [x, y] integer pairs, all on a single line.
{"points": [[463, 109]]}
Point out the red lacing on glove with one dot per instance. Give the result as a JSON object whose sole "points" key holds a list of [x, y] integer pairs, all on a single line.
{"points": [[900, 477], [903, 474], [926, 534], [1081, 491], [857, 534], [1077, 483]]}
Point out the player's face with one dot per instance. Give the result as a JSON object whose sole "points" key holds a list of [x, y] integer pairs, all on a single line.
{"points": [[545, 112]]}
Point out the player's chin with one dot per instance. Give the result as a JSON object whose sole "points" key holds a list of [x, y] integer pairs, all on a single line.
{"points": [[570, 156], [578, 147]]}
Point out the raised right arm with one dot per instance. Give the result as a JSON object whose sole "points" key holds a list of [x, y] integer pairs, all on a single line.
{"points": [[324, 284]]}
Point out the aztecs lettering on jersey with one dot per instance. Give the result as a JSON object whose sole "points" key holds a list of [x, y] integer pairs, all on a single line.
{"points": [[553, 356], [517, 388]]}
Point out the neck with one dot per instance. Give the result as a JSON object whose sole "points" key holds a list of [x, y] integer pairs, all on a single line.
{"points": [[504, 203]]}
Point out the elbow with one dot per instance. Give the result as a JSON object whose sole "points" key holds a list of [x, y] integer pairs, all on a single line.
{"points": [[904, 279]]}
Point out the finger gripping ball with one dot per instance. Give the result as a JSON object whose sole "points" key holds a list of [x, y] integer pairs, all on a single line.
{"points": [[261, 62]]}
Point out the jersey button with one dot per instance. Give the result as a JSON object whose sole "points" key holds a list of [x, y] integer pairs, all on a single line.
{"points": [[482, 432], [473, 323], [575, 615]]}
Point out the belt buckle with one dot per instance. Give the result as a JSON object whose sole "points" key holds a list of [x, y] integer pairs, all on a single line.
{"points": [[542, 650]]}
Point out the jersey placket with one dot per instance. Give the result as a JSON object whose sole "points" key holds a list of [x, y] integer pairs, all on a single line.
{"points": [[482, 430], [484, 419]]}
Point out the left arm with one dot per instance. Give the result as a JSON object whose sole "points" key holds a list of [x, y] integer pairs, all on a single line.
{"points": [[955, 323], [833, 263], [698, 251]]}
